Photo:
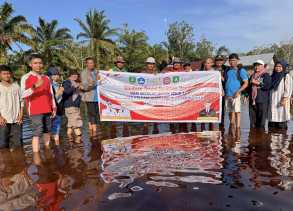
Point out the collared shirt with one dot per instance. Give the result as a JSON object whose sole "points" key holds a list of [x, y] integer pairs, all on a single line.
{"points": [[10, 102]]}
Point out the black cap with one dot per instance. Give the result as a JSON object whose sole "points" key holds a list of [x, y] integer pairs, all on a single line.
{"points": [[53, 71]]}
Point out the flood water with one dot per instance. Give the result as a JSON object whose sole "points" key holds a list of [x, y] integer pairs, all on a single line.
{"points": [[218, 170]]}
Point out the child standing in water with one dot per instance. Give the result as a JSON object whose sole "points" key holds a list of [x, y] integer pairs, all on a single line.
{"points": [[72, 100]]}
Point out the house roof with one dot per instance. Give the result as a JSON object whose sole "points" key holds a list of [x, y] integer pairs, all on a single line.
{"points": [[249, 60]]}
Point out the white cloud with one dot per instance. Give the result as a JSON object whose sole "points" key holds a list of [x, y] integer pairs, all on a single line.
{"points": [[244, 24]]}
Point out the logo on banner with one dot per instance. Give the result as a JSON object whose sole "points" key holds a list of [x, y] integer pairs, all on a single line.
{"points": [[176, 79], [167, 80], [141, 81], [132, 79]]}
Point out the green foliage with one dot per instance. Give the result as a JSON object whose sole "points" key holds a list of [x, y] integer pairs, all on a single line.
{"points": [[133, 47], [49, 40], [204, 48], [97, 34], [180, 40], [12, 30]]}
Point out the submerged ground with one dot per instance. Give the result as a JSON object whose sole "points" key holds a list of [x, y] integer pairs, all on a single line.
{"points": [[227, 170]]}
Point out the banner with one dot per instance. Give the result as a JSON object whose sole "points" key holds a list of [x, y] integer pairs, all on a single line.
{"points": [[164, 97]]}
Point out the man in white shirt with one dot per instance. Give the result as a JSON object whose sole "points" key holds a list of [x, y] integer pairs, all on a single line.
{"points": [[11, 110]]}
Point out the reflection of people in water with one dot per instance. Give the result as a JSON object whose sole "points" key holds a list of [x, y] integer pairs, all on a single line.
{"points": [[51, 184], [16, 190]]}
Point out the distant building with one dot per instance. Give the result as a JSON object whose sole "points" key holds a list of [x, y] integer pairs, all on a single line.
{"points": [[247, 61]]}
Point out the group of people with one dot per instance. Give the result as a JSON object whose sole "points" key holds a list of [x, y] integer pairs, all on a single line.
{"points": [[47, 98]]}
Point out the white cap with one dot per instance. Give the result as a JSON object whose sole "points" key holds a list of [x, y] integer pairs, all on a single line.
{"points": [[259, 61], [151, 60]]}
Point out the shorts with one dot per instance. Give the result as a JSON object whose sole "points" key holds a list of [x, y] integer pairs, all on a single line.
{"points": [[10, 136], [74, 119], [233, 104], [56, 125], [93, 112], [41, 123]]}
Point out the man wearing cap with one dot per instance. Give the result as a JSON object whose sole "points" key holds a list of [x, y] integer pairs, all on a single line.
{"points": [[119, 65], [150, 66], [222, 68], [177, 65], [54, 75], [259, 89]]}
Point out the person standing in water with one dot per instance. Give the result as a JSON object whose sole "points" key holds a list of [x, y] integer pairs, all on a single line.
{"points": [[280, 93], [11, 110], [40, 101], [89, 88]]}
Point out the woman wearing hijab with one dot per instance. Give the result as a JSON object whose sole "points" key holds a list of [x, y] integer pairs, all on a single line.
{"points": [[280, 93], [259, 86]]}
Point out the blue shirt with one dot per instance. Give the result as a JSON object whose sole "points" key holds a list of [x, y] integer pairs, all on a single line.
{"points": [[233, 83], [56, 86], [94, 76]]}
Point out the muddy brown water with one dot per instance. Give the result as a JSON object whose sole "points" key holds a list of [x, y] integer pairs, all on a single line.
{"points": [[227, 170]]}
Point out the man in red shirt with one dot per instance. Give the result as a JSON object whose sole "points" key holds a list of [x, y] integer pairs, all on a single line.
{"points": [[40, 103]]}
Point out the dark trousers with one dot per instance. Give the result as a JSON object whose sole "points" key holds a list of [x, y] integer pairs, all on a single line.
{"points": [[10, 136], [278, 125], [93, 112], [258, 114], [223, 112]]}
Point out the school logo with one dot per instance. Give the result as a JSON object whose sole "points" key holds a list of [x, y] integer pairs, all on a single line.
{"points": [[132, 79], [141, 81], [166, 80], [176, 79]]}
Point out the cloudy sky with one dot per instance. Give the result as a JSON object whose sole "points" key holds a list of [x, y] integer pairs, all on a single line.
{"points": [[238, 24]]}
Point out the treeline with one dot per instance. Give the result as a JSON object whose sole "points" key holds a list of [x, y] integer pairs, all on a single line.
{"points": [[97, 39]]}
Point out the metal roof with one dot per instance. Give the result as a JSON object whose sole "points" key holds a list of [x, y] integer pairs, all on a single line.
{"points": [[249, 60]]}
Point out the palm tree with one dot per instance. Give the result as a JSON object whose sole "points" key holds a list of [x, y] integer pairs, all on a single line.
{"points": [[158, 52], [134, 47], [48, 40], [12, 29], [223, 50], [97, 33]]}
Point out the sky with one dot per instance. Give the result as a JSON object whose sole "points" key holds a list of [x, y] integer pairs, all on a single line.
{"points": [[240, 25]]}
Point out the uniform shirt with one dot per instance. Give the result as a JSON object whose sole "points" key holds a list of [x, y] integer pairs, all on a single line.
{"points": [[10, 102], [40, 100], [116, 69]]}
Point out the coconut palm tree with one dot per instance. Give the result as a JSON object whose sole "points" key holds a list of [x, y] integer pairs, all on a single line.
{"points": [[134, 48], [12, 30], [97, 33], [49, 40]]}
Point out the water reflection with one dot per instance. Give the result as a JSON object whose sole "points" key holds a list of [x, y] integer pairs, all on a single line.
{"points": [[241, 169], [165, 160]]}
